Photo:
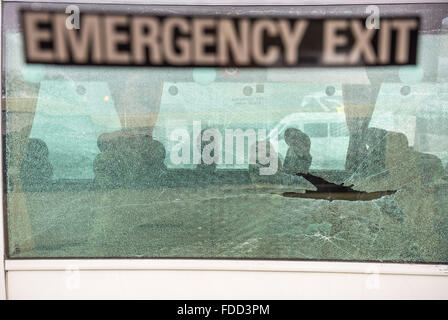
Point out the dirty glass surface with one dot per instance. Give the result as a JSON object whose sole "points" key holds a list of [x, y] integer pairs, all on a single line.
{"points": [[109, 161]]}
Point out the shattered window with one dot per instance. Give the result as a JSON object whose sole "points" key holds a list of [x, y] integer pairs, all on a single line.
{"points": [[263, 163]]}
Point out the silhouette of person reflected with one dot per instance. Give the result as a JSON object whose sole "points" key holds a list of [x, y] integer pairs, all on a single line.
{"points": [[261, 154], [298, 158]]}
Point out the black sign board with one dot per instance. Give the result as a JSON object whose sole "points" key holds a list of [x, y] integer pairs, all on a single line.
{"points": [[136, 40]]}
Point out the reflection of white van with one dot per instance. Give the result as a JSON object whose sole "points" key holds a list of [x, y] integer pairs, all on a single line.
{"points": [[328, 133]]}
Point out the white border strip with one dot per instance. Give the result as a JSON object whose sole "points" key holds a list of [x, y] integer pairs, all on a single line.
{"points": [[228, 265]]}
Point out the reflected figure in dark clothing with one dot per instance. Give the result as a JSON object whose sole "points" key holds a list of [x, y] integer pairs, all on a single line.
{"points": [[129, 158], [298, 158]]}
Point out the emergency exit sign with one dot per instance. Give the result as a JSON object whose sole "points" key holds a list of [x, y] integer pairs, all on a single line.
{"points": [[181, 41]]}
